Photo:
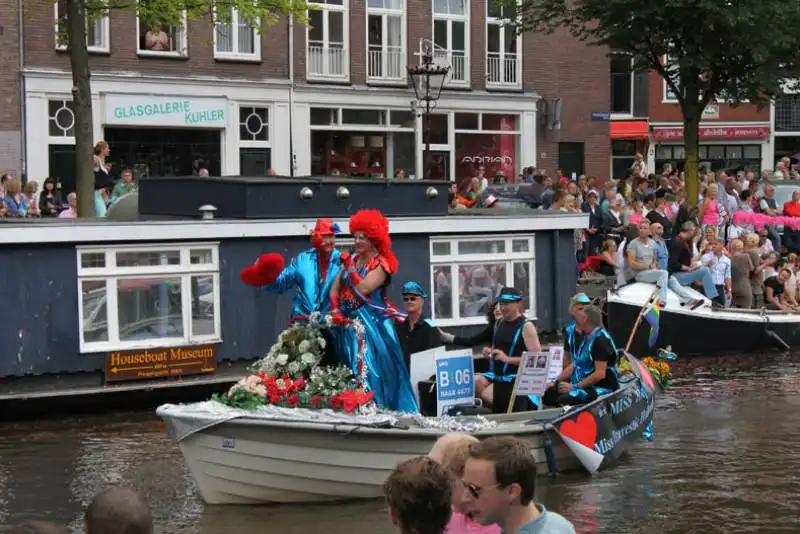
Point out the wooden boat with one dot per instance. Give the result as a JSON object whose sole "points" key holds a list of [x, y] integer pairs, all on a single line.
{"points": [[702, 331], [285, 455]]}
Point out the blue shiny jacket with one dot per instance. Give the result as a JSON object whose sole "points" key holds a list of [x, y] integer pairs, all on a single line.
{"points": [[313, 294], [583, 364]]}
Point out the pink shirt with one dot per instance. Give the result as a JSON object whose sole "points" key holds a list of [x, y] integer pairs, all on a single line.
{"points": [[711, 216], [68, 213], [461, 524]]}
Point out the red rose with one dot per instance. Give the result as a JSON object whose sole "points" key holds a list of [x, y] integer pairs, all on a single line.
{"points": [[293, 400], [317, 400], [274, 399]]}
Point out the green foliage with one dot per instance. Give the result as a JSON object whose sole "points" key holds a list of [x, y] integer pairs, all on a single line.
{"points": [[717, 48], [258, 14], [241, 399]]}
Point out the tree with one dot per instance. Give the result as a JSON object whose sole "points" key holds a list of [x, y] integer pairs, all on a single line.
{"points": [[74, 15], [703, 49]]}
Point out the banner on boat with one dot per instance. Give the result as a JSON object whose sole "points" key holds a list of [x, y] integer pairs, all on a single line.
{"points": [[455, 384], [600, 431]]}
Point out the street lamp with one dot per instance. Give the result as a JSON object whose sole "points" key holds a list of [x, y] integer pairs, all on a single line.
{"points": [[428, 81]]}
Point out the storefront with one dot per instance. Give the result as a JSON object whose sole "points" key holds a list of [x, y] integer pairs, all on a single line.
{"points": [[183, 127], [628, 138], [722, 148], [370, 133]]}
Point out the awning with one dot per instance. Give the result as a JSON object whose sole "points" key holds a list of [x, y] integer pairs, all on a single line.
{"points": [[630, 130]]}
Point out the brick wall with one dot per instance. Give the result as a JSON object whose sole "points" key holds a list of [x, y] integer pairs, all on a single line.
{"points": [[10, 99], [40, 49], [559, 66]]}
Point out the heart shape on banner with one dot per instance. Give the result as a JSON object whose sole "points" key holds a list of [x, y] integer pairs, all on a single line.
{"points": [[582, 429]]}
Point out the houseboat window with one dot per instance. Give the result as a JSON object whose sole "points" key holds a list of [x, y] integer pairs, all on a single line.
{"points": [[161, 296], [466, 282]]}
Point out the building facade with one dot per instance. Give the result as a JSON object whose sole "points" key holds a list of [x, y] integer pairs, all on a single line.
{"points": [[786, 125], [333, 97], [11, 146], [731, 137]]}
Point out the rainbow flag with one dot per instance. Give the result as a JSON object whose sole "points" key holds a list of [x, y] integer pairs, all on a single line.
{"points": [[652, 316]]}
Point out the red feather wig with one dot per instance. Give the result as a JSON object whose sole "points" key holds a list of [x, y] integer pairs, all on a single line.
{"points": [[264, 271], [375, 226]]}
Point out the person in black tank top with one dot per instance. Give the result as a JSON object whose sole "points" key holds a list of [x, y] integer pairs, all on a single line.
{"points": [[513, 334]]}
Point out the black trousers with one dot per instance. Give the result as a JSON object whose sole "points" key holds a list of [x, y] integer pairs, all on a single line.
{"points": [[720, 294], [553, 398]]}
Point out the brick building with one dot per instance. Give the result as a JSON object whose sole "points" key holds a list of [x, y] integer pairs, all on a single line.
{"points": [[11, 159], [338, 99]]}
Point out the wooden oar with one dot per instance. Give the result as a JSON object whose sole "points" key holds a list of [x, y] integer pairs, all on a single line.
{"points": [[639, 318]]}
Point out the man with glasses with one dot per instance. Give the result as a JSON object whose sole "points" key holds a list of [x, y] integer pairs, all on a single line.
{"points": [[416, 333], [499, 480]]}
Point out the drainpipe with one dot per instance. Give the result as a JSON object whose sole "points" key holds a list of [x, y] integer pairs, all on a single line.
{"points": [[22, 93], [291, 96]]}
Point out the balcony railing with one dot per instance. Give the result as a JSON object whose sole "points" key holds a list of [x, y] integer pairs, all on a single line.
{"points": [[457, 59], [326, 60], [386, 63], [503, 70]]}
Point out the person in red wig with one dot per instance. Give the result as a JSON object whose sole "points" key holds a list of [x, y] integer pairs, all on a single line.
{"points": [[313, 272], [360, 292]]}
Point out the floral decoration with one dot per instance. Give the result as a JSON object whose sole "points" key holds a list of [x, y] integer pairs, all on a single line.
{"points": [[660, 369], [290, 375]]}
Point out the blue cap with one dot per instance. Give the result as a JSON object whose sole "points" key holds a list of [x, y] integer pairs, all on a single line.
{"points": [[509, 294], [581, 298], [413, 288]]}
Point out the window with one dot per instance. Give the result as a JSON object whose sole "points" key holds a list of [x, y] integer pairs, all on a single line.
{"points": [[139, 298], [61, 118], [621, 84], [327, 56], [97, 33], [255, 148], [235, 38], [451, 38], [467, 275], [502, 47], [386, 59], [157, 41], [489, 141]]}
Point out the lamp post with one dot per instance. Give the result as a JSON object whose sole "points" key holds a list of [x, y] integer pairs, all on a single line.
{"points": [[428, 81]]}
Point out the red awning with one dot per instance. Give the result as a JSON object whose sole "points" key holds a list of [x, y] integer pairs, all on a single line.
{"points": [[630, 130]]}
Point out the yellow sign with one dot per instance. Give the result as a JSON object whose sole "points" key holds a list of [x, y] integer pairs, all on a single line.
{"points": [[160, 363]]}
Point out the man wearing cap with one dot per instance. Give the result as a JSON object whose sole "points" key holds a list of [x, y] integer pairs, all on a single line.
{"points": [[592, 371], [417, 333], [572, 333], [513, 334]]}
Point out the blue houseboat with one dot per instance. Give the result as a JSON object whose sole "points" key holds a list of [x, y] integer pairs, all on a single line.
{"points": [[98, 306]]}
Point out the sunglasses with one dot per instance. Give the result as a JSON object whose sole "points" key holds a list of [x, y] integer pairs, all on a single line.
{"points": [[409, 298]]}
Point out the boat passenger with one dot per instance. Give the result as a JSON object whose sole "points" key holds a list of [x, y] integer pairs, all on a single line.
{"points": [[572, 333], [417, 333], [592, 371], [452, 451], [513, 334], [684, 272], [419, 495], [642, 261]]}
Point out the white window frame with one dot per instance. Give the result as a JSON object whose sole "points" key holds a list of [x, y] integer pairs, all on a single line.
{"points": [[454, 260], [326, 42], [502, 23], [384, 14], [465, 18], [181, 33], [619, 114], [236, 55], [110, 274], [104, 48]]}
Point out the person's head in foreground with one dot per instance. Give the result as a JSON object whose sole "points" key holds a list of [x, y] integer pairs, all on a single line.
{"points": [[37, 527], [419, 493], [118, 511], [499, 481]]}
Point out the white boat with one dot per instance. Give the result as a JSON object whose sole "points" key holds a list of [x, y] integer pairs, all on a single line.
{"points": [[704, 330], [288, 455]]}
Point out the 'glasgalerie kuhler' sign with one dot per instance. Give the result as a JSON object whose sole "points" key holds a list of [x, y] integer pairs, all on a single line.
{"points": [[160, 363], [149, 110]]}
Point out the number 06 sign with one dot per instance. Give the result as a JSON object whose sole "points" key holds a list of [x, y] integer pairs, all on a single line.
{"points": [[455, 383]]}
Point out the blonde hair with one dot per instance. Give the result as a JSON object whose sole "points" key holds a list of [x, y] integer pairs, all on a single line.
{"points": [[751, 240], [452, 451], [13, 186], [31, 187], [737, 244]]}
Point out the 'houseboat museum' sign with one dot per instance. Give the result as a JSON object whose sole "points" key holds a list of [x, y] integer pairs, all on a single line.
{"points": [[148, 110], [160, 363]]}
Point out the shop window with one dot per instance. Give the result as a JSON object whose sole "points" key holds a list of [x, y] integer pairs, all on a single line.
{"points": [[62, 118], [439, 129], [361, 154], [153, 40], [621, 84], [234, 37], [752, 152], [253, 124], [373, 117], [703, 152], [254, 161], [663, 152], [496, 152], [98, 37], [678, 152], [623, 148], [324, 116], [467, 275], [327, 54], [403, 154], [733, 152], [451, 38], [467, 121], [716, 152], [406, 119], [135, 298]]}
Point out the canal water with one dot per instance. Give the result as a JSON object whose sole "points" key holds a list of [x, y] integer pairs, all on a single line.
{"points": [[725, 459]]}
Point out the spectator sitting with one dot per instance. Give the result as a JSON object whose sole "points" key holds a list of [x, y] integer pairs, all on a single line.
{"points": [[642, 263], [683, 272]]}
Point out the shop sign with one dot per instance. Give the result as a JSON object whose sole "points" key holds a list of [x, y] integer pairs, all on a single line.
{"points": [[714, 133], [711, 111], [149, 110], [160, 363]]}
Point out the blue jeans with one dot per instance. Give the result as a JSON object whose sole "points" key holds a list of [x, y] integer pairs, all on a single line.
{"points": [[772, 235], [655, 276], [678, 280]]}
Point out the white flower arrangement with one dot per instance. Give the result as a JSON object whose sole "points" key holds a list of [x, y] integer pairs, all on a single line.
{"points": [[297, 351]]}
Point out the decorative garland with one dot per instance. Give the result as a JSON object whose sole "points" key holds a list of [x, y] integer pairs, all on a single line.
{"points": [[759, 220], [660, 369]]}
